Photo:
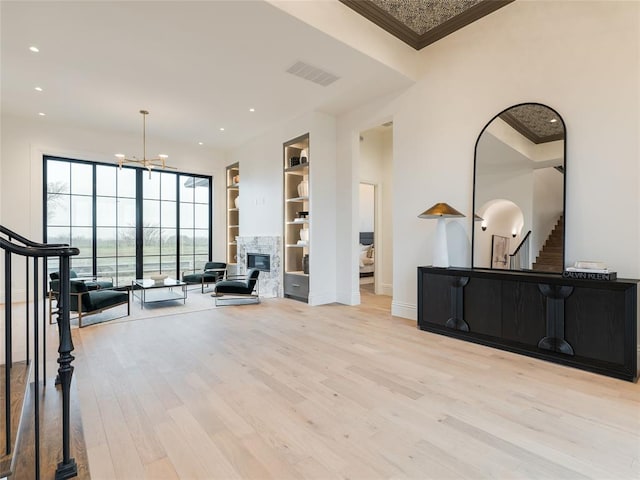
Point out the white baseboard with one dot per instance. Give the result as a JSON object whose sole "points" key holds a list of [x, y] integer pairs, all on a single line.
{"points": [[321, 298], [404, 310], [352, 298], [386, 289]]}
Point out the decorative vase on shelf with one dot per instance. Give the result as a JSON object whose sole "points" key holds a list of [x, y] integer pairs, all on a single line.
{"points": [[304, 156], [303, 186], [304, 234], [236, 202]]}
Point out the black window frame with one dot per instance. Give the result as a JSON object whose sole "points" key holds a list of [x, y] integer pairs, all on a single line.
{"points": [[139, 256]]}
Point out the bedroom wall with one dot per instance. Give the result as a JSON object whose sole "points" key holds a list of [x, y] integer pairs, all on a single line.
{"points": [[24, 141], [515, 55]]}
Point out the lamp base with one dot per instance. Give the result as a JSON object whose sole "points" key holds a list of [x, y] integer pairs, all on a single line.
{"points": [[440, 249]]}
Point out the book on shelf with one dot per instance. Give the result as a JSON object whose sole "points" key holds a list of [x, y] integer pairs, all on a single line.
{"points": [[590, 265], [588, 270], [589, 274]]}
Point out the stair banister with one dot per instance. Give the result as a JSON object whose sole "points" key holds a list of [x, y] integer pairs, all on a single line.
{"points": [[517, 258], [18, 245]]}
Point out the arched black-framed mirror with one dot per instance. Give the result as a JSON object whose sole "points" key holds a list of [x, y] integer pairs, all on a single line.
{"points": [[519, 191]]}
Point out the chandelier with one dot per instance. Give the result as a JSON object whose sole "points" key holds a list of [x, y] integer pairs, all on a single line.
{"points": [[144, 162]]}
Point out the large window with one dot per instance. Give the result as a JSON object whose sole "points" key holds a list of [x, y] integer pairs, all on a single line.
{"points": [[126, 222]]}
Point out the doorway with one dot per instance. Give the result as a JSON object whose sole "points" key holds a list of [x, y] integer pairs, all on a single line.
{"points": [[375, 227], [366, 259]]}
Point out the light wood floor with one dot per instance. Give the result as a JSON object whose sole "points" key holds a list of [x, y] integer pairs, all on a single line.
{"points": [[283, 390]]}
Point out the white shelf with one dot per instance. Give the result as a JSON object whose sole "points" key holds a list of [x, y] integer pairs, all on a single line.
{"points": [[306, 222], [295, 245], [298, 199], [234, 209], [233, 243], [234, 226], [298, 272]]}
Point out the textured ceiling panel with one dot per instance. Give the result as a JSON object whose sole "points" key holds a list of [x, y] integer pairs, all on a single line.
{"points": [[419, 23], [424, 15], [538, 123]]}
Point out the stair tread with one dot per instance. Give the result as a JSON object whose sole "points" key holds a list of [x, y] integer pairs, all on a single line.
{"points": [[19, 378], [550, 256], [51, 424]]}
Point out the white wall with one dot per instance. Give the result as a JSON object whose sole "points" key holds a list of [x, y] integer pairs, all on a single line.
{"points": [[367, 207], [25, 141], [510, 178], [501, 217], [261, 194], [581, 58]]}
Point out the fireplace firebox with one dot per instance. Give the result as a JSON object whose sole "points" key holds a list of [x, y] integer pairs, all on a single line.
{"points": [[261, 261]]}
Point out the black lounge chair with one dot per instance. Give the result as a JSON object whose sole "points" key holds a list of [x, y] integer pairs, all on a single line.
{"points": [[213, 272], [86, 302], [238, 290]]}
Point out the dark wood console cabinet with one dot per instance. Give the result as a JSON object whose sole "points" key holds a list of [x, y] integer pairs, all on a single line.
{"points": [[585, 324]]}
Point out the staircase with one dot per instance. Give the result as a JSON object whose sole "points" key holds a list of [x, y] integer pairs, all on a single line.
{"points": [[36, 426], [19, 374], [550, 257]]}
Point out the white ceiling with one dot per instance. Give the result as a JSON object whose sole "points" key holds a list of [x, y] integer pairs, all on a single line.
{"points": [[196, 66]]}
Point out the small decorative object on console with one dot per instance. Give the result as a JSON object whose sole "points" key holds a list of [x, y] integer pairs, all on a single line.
{"points": [[159, 278]]}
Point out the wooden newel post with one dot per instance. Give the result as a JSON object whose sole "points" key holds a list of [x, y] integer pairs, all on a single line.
{"points": [[67, 468]]}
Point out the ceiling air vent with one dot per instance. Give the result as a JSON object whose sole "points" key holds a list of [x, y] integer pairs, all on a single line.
{"points": [[311, 73]]}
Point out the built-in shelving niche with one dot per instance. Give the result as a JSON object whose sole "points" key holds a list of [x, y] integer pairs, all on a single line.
{"points": [[297, 223], [233, 212]]}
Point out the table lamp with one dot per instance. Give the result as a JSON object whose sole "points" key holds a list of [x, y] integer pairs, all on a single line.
{"points": [[441, 211]]}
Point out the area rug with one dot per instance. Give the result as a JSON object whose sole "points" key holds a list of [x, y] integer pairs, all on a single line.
{"points": [[195, 301]]}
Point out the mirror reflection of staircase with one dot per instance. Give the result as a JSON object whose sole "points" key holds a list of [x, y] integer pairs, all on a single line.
{"points": [[549, 259]]}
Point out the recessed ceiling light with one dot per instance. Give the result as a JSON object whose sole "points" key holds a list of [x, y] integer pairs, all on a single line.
{"points": [[41, 114], [553, 120], [200, 143], [222, 129], [38, 89], [34, 49], [252, 110]]}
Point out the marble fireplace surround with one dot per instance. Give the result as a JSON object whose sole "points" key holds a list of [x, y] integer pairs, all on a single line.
{"points": [[270, 284]]}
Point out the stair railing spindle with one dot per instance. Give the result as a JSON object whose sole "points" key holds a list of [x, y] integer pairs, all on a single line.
{"points": [[7, 350]]}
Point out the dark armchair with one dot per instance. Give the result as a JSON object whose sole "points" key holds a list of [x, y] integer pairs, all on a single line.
{"points": [[213, 272], [92, 283], [238, 290], [85, 302]]}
